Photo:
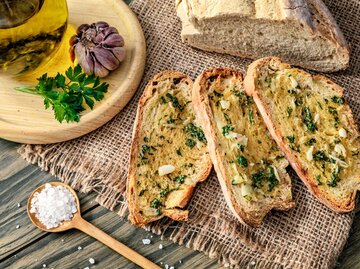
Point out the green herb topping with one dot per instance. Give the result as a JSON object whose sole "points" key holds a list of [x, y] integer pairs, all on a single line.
{"points": [[338, 100], [310, 142], [335, 178], [190, 143], [289, 110], [242, 161], [175, 102], [226, 129], [265, 175], [195, 132], [251, 117], [180, 179], [335, 114], [308, 120]]}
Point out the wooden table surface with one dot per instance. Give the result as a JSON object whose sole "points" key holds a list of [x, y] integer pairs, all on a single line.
{"points": [[24, 246]]}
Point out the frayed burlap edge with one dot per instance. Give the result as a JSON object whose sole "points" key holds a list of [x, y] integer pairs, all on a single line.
{"points": [[92, 178]]}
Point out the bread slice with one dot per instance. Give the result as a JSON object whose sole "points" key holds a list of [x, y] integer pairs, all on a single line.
{"points": [[302, 32], [313, 125], [168, 153], [249, 165]]}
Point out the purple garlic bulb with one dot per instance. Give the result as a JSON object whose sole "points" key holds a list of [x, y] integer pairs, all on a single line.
{"points": [[99, 48]]}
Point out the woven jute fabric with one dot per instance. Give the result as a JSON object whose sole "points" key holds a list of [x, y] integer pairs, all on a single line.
{"points": [[308, 236]]}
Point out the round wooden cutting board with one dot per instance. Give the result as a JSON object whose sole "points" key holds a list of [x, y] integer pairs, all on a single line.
{"points": [[23, 117]]}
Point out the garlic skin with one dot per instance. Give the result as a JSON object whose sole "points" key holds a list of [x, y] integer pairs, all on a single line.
{"points": [[98, 47]]}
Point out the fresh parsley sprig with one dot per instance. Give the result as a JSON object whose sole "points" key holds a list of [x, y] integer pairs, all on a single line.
{"points": [[68, 95]]}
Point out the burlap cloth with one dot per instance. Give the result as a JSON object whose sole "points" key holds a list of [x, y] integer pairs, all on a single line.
{"points": [[308, 236]]}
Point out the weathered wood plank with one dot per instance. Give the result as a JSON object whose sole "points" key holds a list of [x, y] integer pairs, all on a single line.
{"points": [[350, 258], [17, 180], [61, 250]]}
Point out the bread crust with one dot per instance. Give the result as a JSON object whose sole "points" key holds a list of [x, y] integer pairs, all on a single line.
{"points": [[250, 88], [175, 213], [204, 113], [322, 25]]}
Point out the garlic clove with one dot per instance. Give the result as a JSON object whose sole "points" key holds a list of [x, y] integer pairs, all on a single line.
{"points": [[99, 69], [80, 51], [119, 53], [98, 39], [101, 24], [106, 58], [82, 28], [114, 40], [88, 63], [110, 30]]}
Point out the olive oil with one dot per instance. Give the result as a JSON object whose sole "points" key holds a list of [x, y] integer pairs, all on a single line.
{"points": [[31, 31]]}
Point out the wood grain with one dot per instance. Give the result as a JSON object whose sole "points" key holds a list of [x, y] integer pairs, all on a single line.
{"points": [[23, 117]]}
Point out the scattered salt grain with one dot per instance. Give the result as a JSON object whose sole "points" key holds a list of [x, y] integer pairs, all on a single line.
{"points": [[226, 265], [53, 205], [180, 261], [172, 267], [17, 226], [252, 263], [44, 265], [146, 241], [18, 205], [79, 248], [87, 267], [160, 246], [92, 261], [166, 266]]}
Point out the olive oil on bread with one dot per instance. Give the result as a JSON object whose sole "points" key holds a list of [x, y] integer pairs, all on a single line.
{"points": [[169, 154]]}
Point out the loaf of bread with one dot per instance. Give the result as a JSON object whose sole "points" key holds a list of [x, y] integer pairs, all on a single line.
{"points": [[313, 125], [168, 153], [301, 32], [249, 165]]}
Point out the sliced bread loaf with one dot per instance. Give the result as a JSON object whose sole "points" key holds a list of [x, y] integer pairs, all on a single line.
{"points": [[313, 125], [249, 165], [168, 153], [302, 32]]}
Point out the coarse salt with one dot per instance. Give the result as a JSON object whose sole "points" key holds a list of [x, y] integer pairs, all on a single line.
{"points": [[79, 248], [92, 261], [18, 205], [146, 241], [17, 226], [160, 246], [53, 205]]}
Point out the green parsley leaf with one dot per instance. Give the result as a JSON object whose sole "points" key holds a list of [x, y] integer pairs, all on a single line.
{"points": [[242, 161], [338, 100], [226, 129], [67, 98]]}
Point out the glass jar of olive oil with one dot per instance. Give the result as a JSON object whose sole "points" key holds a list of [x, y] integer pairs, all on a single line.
{"points": [[30, 33]]}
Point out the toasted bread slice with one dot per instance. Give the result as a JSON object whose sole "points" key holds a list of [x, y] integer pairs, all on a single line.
{"points": [[249, 165], [168, 154], [313, 125]]}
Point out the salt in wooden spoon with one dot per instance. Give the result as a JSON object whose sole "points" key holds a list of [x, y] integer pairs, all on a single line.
{"points": [[77, 222]]}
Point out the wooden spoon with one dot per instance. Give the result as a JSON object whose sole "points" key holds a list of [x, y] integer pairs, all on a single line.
{"points": [[79, 223]]}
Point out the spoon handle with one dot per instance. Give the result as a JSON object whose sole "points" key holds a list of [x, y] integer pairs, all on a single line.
{"points": [[112, 243]]}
